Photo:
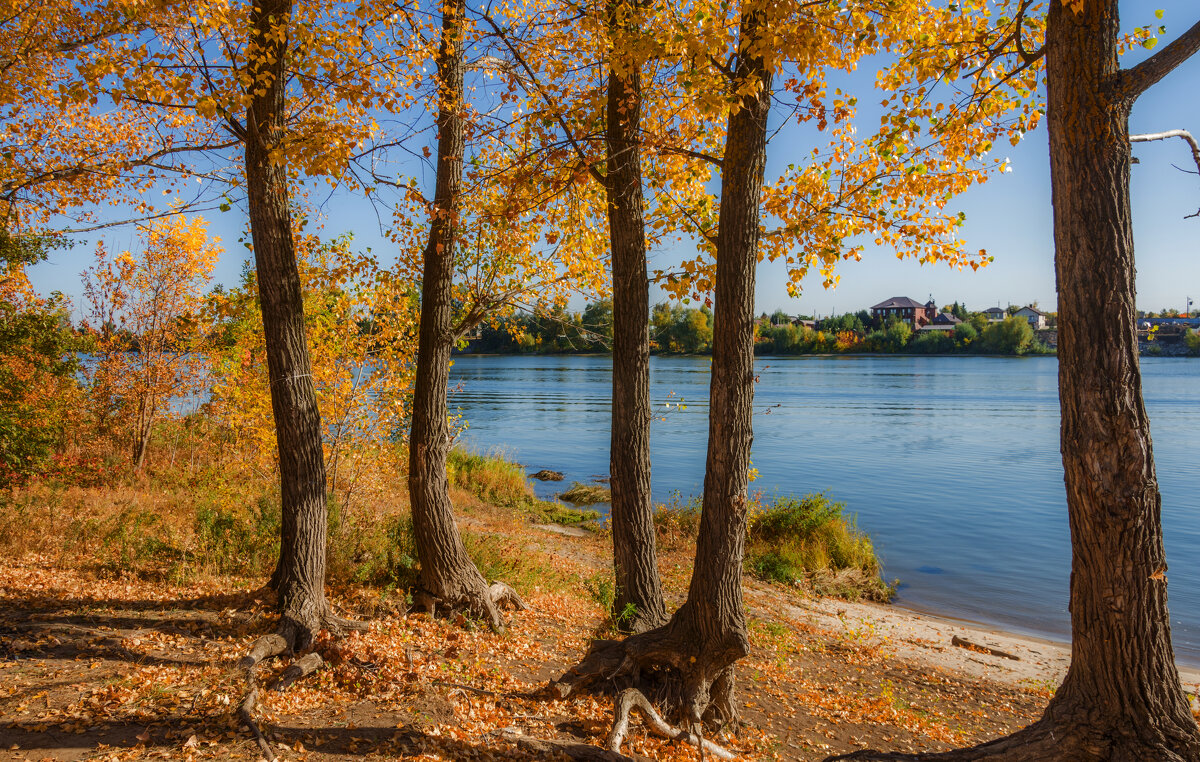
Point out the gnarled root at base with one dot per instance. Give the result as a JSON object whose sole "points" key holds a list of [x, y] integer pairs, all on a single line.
{"points": [[694, 684], [485, 603], [632, 699], [290, 636]]}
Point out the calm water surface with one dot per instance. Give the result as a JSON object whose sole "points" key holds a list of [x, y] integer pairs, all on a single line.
{"points": [[950, 463]]}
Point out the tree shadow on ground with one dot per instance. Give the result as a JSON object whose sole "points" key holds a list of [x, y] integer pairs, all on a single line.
{"points": [[46, 628], [316, 741]]}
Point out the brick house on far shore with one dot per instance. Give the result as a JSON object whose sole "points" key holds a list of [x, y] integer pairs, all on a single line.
{"points": [[909, 310]]}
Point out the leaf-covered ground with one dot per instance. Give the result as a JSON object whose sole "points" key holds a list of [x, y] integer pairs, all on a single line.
{"points": [[96, 664]]}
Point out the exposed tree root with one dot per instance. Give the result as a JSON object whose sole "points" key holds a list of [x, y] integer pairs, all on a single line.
{"points": [[632, 699], [301, 668], [504, 596], [485, 604], [667, 667], [664, 670], [289, 637], [246, 714]]}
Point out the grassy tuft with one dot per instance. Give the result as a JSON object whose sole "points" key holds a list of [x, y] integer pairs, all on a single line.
{"points": [[807, 542], [497, 481], [678, 521], [811, 542], [587, 494]]}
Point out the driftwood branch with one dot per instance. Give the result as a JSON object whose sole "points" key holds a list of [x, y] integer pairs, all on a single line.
{"points": [[972, 646], [633, 699]]}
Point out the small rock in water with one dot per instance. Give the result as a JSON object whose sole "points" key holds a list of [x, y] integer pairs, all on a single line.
{"points": [[546, 475]]}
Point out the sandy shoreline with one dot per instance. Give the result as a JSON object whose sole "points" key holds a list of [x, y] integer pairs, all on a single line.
{"points": [[952, 645]]}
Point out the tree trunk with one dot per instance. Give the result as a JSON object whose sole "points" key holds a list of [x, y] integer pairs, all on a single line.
{"points": [[708, 633], [141, 434], [635, 559], [448, 576], [299, 578], [1122, 692], [1121, 699]]}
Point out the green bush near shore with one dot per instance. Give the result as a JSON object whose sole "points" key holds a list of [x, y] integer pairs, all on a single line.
{"points": [[806, 542], [812, 541]]}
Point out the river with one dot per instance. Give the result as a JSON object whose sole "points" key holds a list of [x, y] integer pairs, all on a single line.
{"points": [[951, 464]]}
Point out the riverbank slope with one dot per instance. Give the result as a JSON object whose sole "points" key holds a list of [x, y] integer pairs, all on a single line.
{"points": [[115, 654]]}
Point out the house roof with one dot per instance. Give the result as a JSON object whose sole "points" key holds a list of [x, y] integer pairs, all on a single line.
{"points": [[994, 310], [897, 302], [945, 318], [937, 327], [1031, 309]]}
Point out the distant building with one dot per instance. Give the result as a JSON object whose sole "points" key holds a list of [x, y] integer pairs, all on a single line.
{"points": [[995, 314], [909, 310], [943, 321], [1035, 317]]}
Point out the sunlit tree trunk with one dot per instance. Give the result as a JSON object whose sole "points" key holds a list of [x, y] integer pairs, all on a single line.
{"points": [[1121, 699], [1122, 693], [448, 576], [638, 588], [299, 578], [707, 635]]}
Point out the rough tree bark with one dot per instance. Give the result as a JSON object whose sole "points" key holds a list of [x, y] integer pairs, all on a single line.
{"points": [[635, 557], [299, 578], [448, 576], [707, 635], [1121, 699]]}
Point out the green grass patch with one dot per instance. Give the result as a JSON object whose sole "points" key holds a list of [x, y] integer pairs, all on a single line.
{"points": [[806, 542], [811, 541]]}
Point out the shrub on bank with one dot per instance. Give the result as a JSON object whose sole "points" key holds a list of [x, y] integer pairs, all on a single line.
{"points": [[807, 542], [810, 541], [1192, 339]]}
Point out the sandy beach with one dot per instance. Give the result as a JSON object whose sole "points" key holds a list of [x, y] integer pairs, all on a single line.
{"points": [[954, 645]]}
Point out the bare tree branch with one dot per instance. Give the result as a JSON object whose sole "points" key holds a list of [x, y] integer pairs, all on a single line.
{"points": [[1182, 134]]}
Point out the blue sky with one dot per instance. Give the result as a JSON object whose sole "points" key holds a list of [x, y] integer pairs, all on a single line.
{"points": [[1010, 216]]}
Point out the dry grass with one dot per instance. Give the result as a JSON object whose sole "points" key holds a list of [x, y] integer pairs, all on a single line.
{"points": [[587, 494]]}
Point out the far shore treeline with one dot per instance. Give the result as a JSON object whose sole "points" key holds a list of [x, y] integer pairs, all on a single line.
{"points": [[679, 329]]}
